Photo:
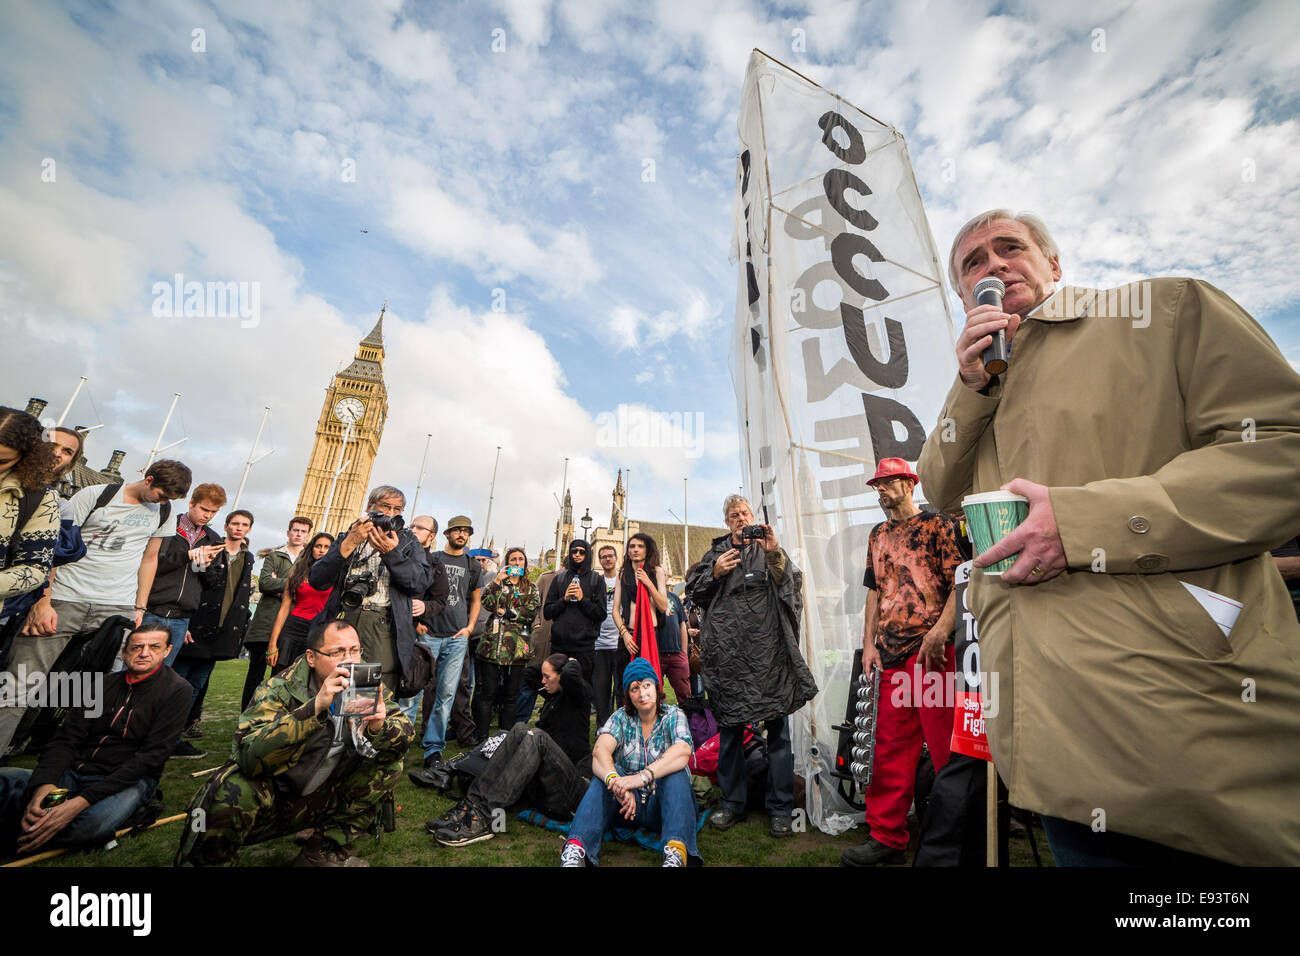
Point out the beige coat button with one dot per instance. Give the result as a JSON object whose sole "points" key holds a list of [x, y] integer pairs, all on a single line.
{"points": [[1139, 524]]}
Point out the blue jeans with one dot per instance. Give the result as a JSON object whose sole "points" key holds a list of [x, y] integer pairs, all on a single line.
{"points": [[669, 811], [448, 657], [93, 826], [524, 708], [176, 626], [197, 671]]}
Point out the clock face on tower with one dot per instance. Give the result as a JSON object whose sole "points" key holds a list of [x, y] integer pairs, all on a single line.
{"points": [[349, 410]]}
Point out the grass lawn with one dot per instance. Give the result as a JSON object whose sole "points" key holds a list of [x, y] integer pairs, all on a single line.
{"points": [[521, 845]]}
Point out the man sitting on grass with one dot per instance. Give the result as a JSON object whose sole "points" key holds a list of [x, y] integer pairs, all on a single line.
{"points": [[296, 765], [105, 760]]}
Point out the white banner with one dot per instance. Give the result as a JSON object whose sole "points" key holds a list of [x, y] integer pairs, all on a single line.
{"points": [[842, 354]]}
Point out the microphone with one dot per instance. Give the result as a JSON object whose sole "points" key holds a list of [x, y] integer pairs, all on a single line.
{"points": [[989, 291]]}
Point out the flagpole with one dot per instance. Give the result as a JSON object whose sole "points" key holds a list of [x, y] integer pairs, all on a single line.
{"points": [[68, 407], [176, 397], [564, 480], [419, 482], [248, 465], [484, 539]]}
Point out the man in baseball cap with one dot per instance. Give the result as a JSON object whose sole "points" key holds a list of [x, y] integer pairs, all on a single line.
{"points": [[448, 638], [911, 558]]}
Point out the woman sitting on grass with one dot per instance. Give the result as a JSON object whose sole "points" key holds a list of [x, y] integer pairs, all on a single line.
{"points": [[639, 776], [301, 602]]}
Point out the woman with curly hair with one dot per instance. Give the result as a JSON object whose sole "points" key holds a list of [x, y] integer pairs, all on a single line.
{"points": [[29, 509]]}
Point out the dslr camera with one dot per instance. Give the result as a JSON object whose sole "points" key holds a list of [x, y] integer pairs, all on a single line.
{"points": [[385, 522], [357, 588], [360, 699]]}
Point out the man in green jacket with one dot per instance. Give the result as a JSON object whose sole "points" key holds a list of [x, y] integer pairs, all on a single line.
{"points": [[296, 766], [276, 564]]}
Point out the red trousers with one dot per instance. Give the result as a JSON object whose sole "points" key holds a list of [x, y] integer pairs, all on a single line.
{"points": [[903, 719]]}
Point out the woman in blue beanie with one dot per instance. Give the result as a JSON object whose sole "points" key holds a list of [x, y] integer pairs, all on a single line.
{"points": [[639, 776]]}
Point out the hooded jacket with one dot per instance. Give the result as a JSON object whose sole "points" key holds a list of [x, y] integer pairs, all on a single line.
{"points": [[753, 668], [575, 624]]}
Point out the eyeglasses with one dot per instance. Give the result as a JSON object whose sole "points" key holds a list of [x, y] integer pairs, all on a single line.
{"points": [[339, 653]]}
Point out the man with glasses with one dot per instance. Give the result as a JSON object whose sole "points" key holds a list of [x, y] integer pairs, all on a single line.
{"points": [[575, 606], [376, 575], [299, 765], [448, 637]]}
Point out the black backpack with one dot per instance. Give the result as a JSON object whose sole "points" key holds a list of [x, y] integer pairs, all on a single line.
{"points": [[90, 652]]}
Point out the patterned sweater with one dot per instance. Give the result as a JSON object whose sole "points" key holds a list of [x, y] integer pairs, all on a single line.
{"points": [[34, 552]]}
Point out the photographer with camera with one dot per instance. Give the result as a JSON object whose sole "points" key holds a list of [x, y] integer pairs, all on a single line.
{"points": [[319, 747], [377, 569], [752, 598]]}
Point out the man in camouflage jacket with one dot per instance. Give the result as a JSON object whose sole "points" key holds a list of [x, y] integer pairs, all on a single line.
{"points": [[290, 770]]}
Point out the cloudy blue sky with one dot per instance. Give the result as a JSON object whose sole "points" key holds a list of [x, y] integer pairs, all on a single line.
{"points": [[545, 190]]}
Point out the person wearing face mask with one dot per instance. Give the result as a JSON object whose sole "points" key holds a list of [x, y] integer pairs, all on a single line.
{"points": [[575, 606]]}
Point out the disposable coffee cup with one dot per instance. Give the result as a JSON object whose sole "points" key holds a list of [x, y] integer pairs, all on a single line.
{"points": [[990, 517]]}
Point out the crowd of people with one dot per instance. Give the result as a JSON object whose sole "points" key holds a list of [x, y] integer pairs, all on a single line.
{"points": [[356, 640]]}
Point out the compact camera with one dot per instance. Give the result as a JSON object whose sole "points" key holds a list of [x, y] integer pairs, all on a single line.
{"points": [[385, 522], [753, 532], [360, 699]]}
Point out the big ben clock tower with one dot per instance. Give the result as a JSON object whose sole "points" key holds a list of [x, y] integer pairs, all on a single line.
{"points": [[347, 434]]}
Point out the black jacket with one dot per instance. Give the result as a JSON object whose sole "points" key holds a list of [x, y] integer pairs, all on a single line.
{"points": [[177, 587], [129, 740], [575, 624], [435, 596], [214, 638], [749, 638], [566, 716], [409, 575]]}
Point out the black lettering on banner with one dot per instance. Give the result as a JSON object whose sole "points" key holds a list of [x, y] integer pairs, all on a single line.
{"points": [[882, 412], [856, 151], [888, 374], [756, 348], [750, 275], [843, 429], [836, 182], [744, 177], [822, 384], [843, 249]]}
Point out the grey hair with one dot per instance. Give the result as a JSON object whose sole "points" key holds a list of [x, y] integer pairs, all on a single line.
{"points": [[733, 500], [1037, 228], [381, 492]]}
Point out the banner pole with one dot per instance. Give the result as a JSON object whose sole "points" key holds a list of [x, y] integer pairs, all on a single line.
{"points": [[991, 824]]}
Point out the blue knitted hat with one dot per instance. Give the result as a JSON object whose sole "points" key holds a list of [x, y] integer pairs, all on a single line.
{"points": [[639, 669]]}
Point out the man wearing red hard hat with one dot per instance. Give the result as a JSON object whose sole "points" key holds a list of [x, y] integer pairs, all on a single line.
{"points": [[911, 558]]}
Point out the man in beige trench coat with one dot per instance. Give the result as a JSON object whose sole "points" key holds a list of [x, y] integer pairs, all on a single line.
{"points": [[1156, 434]]}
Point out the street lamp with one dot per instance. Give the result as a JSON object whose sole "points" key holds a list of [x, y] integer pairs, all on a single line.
{"points": [[585, 521]]}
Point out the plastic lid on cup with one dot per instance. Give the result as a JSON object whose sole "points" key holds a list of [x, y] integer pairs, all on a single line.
{"points": [[989, 496]]}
